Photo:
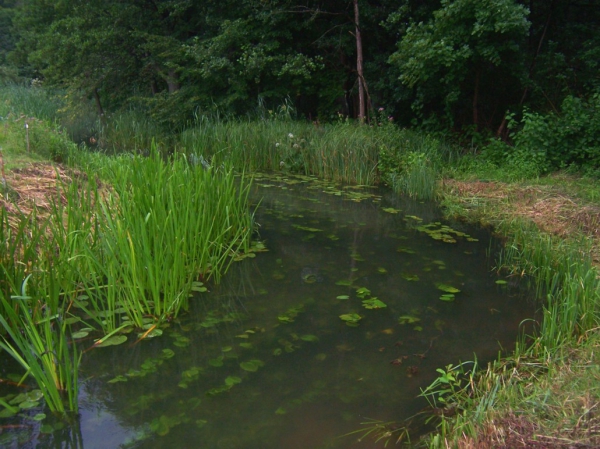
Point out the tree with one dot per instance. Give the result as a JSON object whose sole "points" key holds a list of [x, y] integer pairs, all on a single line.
{"points": [[464, 57]]}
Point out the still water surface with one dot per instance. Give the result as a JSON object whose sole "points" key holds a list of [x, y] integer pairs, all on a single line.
{"points": [[264, 361]]}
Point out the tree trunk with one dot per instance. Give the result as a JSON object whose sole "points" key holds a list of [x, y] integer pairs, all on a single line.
{"points": [[359, 66], [173, 81], [476, 99], [98, 103]]}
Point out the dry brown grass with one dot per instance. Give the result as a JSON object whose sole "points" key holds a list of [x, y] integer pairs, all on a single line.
{"points": [[551, 209]]}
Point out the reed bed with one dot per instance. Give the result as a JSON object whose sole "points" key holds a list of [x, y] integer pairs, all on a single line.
{"points": [[121, 245], [342, 152]]}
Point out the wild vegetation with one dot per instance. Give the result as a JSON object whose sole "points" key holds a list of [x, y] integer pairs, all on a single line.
{"points": [[502, 97]]}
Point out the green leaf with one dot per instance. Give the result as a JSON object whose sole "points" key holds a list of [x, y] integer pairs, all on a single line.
{"points": [[447, 288], [373, 303], [310, 338], [251, 365], [230, 381], [113, 341]]}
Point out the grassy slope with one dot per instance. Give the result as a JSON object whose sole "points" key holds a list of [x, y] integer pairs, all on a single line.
{"points": [[546, 394]]}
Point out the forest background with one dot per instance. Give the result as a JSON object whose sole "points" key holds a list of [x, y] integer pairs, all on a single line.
{"points": [[524, 71]]}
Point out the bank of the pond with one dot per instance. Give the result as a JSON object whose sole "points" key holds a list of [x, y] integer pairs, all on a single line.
{"points": [[547, 392]]}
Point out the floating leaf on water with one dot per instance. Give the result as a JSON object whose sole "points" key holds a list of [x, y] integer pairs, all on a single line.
{"points": [[388, 331], [72, 320], [218, 362], [8, 412], [153, 333], [278, 351], [226, 348], [280, 411], [344, 282], [246, 345], [471, 239], [390, 210], [333, 237], [201, 422], [167, 353], [373, 303], [251, 365], [80, 334], [363, 292], [418, 328], [39, 417], [501, 282], [242, 336], [382, 270], [342, 297], [306, 228], [112, 341], [448, 297], [310, 338], [351, 319], [447, 288], [409, 277], [34, 395], [25, 405], [414, 217], [408, 319], [321, 356], [119, 378], [406, 250], [230, 381]]}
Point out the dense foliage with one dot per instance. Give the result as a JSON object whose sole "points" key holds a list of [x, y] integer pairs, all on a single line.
{"points": [[473, 67]]}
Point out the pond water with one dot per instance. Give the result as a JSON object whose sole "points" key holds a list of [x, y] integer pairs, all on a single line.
{"points": [[361, 295]]}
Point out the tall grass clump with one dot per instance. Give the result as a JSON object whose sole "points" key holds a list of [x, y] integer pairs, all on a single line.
{"points": [[129, 131], [32, 316], [563, 274], [31, 101], [343, 152], [412, 164], [157, 228]]}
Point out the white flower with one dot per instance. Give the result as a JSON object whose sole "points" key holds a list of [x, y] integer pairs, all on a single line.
{"points": [[290, 135], [276, 144]]}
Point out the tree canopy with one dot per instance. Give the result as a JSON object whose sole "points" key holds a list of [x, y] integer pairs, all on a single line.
{"points": [[453, 64]]}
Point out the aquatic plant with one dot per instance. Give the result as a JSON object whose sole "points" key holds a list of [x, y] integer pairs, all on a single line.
{"points": [[38, 342]]}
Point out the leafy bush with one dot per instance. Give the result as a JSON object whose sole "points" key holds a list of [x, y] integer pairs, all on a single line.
{"points": [[542, 142]]}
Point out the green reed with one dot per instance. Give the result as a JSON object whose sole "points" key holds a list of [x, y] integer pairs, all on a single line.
{"points": [[343, 152], [158, 228], [563, 274], [36, 327]]}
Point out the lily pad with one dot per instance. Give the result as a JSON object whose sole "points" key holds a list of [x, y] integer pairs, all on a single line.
{"points": [[112, 341], [373, 303], [390, 210], [342, 297], [310, 338], [447, 288], [252, 365], [230, 381], [408, 319], [448, 297], [351, 319], [216, 362]]}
